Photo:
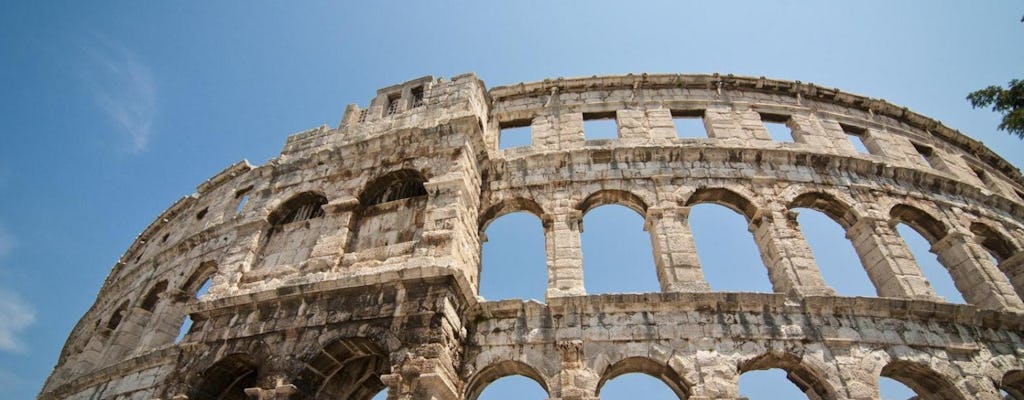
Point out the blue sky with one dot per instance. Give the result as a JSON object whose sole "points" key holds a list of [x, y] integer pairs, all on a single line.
{"points": [[113, 111]]}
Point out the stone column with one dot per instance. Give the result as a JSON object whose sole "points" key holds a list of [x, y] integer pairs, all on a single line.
{"points": [[675, 254], [565, 255], [1013, 267], [790, 263], [575, 381], [889, 263], [974, 273], [421, 378], [328, 249]]}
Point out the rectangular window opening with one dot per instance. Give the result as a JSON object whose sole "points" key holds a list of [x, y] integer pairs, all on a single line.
{"points": [[516, 133], [926, 153], [777, 126], [856, 136], [981, 175], [417, 97], [242, 196], [393, 100], [689, 123], [600, 126]]}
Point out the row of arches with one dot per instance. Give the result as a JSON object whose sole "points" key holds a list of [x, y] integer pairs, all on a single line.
{"points": [[390, 210], [153, 319], [768, 376], [354, 368], [878, 242]]}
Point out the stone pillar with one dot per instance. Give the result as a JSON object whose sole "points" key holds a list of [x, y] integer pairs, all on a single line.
{"points": [[661, 124], [723, 122], [974, 273], [574, 381], [889, 263], [790, 263], [675, 254], [632, 124], [328, 249], [1013, 267], [565, 255], [421, 378]]}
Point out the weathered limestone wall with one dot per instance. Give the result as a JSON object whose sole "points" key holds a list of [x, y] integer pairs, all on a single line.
{"points": [[350, 263]]}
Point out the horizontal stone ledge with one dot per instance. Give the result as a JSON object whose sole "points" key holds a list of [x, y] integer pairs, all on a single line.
{"points": [[733, 302]]}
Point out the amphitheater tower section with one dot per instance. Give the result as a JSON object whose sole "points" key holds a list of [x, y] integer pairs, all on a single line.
{"points": [[350, 265]]}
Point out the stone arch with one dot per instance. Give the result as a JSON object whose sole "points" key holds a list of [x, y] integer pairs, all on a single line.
{"points": [[227, 378], [922, 379], [1013, 383], [509, 206], [647, 366], [931, 228], [117, 316], [344, 369], [613, 196], [299, 207], [295, 226], [392, 209], [637, 246], [396, 185], [839, 211], [204, 271], [810, 379], [725, 197], [153, 296], [992, 240], [479, 381]]}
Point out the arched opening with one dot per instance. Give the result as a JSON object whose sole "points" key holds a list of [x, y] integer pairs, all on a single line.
{"points": [[919, 232], [924, 382], [506, 380], [198, 284], [728, 255], [391, 211], [835, 255], [771, 383], [995, 243], [514, 259], [153, 296], [768, 370], [346, 369], [936, 274], [1012, 385], [627, 377], [227, 379], [117, 316], [891, 389], [294, 228], [637, 385], [617, 254]]}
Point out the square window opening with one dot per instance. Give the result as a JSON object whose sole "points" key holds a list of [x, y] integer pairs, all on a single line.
{"points": [[689, 124], [517, 133], [927, 154], [981, 175], [417, 97], [855, 135], [600, 126], [393, 101], [777, 126]]}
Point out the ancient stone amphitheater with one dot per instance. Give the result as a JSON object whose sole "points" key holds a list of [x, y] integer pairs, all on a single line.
{"points": [[350, 263]]}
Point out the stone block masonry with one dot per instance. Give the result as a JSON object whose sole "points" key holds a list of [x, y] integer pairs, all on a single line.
{"points": [[350, 263]]}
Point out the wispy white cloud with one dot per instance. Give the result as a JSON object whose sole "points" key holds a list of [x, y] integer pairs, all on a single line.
{"points": [[15, 317], [123, 88]]}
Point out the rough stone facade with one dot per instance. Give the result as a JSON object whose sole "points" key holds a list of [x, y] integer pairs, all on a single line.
{"points": [[350, 263]]}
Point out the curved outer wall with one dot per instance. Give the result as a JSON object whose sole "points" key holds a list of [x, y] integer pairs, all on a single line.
{"points": [[350, 263]]}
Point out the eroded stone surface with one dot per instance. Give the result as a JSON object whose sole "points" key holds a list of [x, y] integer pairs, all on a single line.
{"points": [[350, 263]]}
